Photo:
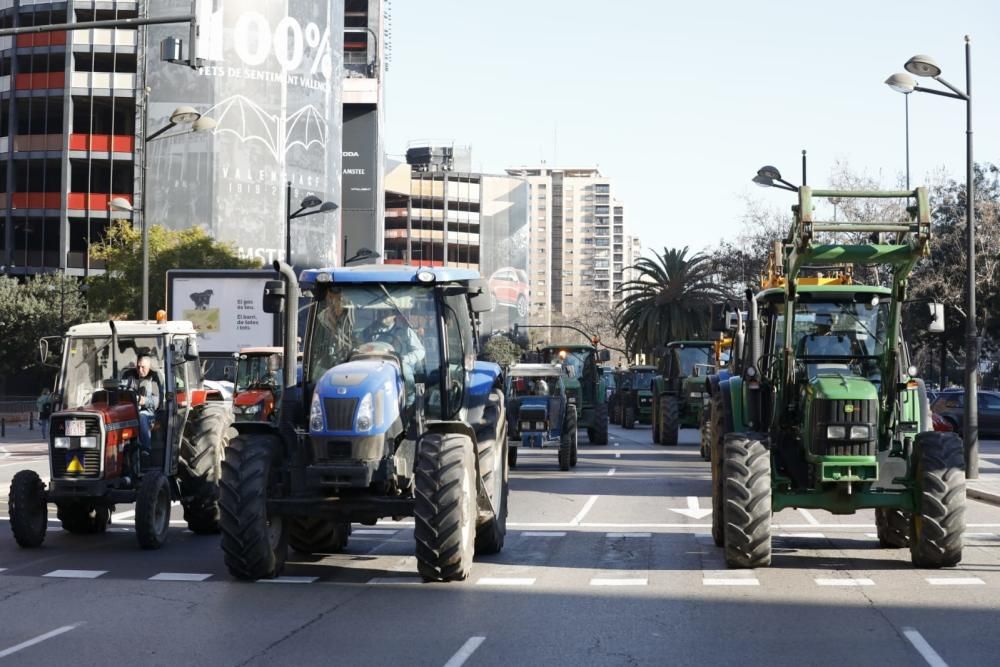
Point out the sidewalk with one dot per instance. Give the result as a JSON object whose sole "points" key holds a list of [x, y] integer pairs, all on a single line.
{"points": [[18, 433], [987, 487]]}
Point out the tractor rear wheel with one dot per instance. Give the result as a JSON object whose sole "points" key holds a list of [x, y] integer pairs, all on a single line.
{"points": [[83, 518], [152, 510], [669, 426], [893, 527], [445, 511], [254, 540], [491, 441], [315, 535], [202, 449], [936, 527], [746, 493], [600, 424], [716, 431], [570, 430], [655, 421], [29, 517]]}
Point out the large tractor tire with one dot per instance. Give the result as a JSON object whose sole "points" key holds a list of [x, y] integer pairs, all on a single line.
{"points": [[655, 421], [893, 527], [746, 494], [202, 449], [152, 510], [315, 535], [83, 518], [29, 516], [511, 457], [936, 527], [628, 417], [670, 420], [491, 442], [717, 429], [570, 435], [255, 542], [445, 512], [600, 436]]}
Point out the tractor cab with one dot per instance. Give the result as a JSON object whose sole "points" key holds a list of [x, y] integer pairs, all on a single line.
{"points": [[539, 411], [585, 385], [257, 390]]}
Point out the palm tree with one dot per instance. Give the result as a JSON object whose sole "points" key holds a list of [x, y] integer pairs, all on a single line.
{"points": [[668, 299]]}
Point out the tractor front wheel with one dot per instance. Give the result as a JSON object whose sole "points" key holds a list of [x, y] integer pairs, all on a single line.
{"points": [[29, 517], [600, 424], [491, 440], [628, 417], [152, 510], [670, 424], [936, 527], [746, 494], [716, 431]]}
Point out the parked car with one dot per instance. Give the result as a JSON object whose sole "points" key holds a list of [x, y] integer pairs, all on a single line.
{"points": [[950, 406], [509, 287]]}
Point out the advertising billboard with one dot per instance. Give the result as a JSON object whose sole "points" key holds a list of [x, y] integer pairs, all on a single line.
{"points": [[271, 82], [503, 250]]}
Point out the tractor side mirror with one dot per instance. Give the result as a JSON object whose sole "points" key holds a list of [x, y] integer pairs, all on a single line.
{"points": [[937, 318], [274, 296], [604, 355], [43, 350], [480, 300], [191, 349]]}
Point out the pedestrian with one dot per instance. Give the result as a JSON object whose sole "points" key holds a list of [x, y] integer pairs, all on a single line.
{"points": [[44, 405]]}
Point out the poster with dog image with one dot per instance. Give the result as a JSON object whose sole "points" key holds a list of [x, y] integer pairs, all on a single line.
{"points": [[225, 307]]}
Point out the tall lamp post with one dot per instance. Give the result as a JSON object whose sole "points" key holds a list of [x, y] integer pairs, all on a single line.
{"points": [[310, 202], [903, 82], [180, 116]]}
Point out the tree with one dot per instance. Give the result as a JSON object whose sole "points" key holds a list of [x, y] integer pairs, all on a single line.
{"points": [[741, 262], [119, 290], [502, 350], [44, 305], [670, 299]]}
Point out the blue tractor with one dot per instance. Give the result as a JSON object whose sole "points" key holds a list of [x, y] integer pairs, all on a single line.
{"points": [[540, 413], [393, 417]]}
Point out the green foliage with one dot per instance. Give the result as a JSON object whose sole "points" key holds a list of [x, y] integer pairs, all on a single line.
{"points": [[118, 293], [669, 299], [45, 305], [502, 350]]}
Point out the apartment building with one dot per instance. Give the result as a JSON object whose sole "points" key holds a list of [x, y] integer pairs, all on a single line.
{"points": [[577, 241]]}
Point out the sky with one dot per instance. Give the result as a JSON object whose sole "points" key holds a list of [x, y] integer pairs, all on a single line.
{"points": [[681, 102]]}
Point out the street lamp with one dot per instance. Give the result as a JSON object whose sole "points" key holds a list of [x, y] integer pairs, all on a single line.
{"points": [[183, 115], [310, 202], [921, 65], [769, 177]]}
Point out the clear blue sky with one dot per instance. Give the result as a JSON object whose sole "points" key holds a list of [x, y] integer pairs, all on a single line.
{"points": [[680, 103]]}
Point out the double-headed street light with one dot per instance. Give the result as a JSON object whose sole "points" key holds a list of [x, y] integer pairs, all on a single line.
{"points": [[181, 116], [310, 202], [903, 82]]}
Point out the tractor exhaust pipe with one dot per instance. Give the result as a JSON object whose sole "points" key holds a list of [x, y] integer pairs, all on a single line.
{"points": [[291, 323]]}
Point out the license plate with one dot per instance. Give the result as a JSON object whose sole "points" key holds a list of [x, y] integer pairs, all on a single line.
{"points": [[76, 427]]}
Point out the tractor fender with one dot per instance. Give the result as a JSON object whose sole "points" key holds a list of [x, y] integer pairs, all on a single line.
{"points": [[442, 427], [737, 411]]}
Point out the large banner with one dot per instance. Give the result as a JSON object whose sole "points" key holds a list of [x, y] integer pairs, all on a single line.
{"points": [[272, 83], [503, 250]]}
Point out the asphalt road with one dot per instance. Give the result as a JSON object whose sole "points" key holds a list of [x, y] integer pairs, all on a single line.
{"points": [[610, 564]]}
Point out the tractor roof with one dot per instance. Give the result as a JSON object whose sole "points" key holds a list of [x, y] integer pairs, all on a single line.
{"points": [[133, 328], [385, 273], [536, 370]]}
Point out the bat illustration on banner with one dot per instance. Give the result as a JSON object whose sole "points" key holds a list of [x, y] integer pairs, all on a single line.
{"points": [[249, 122]]}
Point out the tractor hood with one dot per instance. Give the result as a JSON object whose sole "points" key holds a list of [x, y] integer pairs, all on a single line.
{"points": [[534, 402], [843, 387], [345, 392]]}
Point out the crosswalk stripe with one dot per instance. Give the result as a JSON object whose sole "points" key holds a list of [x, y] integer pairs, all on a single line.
{"points": [[506, 581], [544, 533], [955, 581], [727, 581], [820, 581], [75, 574], [179, 576], [601, 581]]}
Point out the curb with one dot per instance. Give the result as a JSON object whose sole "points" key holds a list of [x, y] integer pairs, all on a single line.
{"points": [[982, 495]]}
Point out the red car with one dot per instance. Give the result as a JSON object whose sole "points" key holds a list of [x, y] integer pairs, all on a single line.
{"points": [[509, 287], [940, 423]]}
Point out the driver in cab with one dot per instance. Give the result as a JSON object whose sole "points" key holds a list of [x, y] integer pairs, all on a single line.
{"points": [[392, 328]]}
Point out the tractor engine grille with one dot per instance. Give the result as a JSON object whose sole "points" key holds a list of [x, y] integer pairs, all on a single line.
{"points": [[90, 459], [531, 414], [845, 413], [340, 413]]}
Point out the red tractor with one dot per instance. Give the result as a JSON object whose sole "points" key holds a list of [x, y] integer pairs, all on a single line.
{"points": [[255, 396], [94, 438]]}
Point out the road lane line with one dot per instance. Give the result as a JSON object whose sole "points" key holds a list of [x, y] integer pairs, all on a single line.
{"points": [[288, 580], [75, 574], [39, 639], [468, 648], [618, 455], [621, 535], [586, 508], [728, 581], [544, 533], [388, 581], [373, 531], [923, 648], [506, 581], [808, 516], [955, 581], [820, 581], [611, 472], [601, 581], [179, 576]]}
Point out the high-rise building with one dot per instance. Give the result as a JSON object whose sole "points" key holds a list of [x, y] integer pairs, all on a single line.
{"points": [[577, 241]]}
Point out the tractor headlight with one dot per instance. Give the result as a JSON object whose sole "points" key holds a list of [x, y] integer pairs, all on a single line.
{"points": [[695, 394], [836, 432], [251, 409], [88, 442], [315, 414], [860, 432], [540, 426], [60, 442], [363, 422], [525, 426]]}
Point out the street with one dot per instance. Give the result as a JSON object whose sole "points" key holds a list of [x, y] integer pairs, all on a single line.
{"points": [[609, 564]]}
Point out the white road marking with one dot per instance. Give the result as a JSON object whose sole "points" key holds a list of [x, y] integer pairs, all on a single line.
{"points": [[621, 535], [693, 509], [808, 517], [39, 639], [611, 472], [468, 648], [923, 648], [179, 576], [811, 536], [76, 574], [820, 581], [386, 581], [122, 516], [506, 581], [729, 581], [874, 536], [618, 455], [405, 564], [373, 531], [544, 533], [288, 580], [586, 508], [955, 581], [616, 444], [599, 581]]}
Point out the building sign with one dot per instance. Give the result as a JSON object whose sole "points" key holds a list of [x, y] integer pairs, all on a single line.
{"points": [[360, 165], [272, 83]]}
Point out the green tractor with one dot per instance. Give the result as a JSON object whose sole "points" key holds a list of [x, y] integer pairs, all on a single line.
{"points": [[678, 390], [826, 411], [632, 400], [585, 386]]}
